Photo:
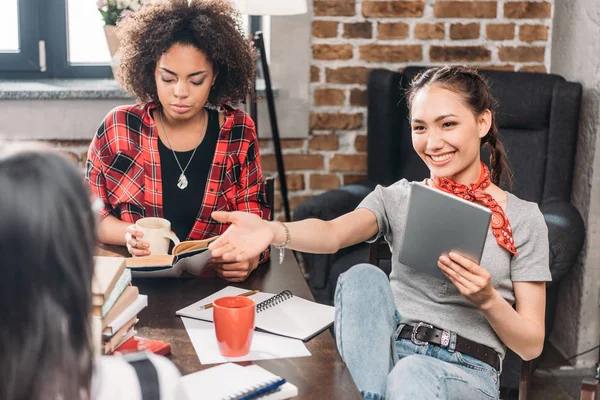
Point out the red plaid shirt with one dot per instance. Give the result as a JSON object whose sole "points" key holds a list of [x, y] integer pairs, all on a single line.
{"points": [[123, 169]]}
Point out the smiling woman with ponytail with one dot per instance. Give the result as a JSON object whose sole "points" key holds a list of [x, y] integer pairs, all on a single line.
{"points": [[415, 336], [477, 97]]}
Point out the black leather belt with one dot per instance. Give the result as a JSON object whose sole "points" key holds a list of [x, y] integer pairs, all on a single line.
{"points": [[425, 334]]}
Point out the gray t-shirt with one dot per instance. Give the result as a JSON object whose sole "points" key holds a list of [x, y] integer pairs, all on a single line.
{"points": [[420, 297]]}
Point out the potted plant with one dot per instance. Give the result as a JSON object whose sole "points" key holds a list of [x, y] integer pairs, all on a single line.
{"points": [[112, 11]]}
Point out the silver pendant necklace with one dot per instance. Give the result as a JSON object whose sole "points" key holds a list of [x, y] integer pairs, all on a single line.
{"points": [[182, 182]]}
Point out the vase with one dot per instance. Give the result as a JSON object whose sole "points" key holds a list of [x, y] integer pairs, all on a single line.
{"points": [[110, 31]]}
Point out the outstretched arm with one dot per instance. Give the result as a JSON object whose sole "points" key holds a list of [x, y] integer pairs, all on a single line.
{"points": [[249, 235]]}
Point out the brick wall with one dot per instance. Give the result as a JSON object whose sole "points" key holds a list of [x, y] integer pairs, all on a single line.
{"points": [[351, 37]]}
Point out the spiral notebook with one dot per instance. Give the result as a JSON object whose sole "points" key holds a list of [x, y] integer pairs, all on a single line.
{"points": [[234, 382], [282, 314]]}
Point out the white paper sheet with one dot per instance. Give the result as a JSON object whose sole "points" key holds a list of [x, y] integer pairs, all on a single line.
{"points": [[265, 346]]}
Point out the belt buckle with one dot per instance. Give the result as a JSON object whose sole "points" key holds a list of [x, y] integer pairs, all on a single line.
{"points": [[413, 335], [445, 340]]}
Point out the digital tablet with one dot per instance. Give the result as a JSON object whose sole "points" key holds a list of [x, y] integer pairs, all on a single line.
{"points": [[438, 223]]}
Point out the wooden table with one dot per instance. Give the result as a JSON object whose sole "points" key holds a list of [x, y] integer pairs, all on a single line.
{"points": [[320, 376]]}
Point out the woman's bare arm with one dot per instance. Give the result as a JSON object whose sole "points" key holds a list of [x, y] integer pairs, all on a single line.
{"points": [[249, 235], [111, 230], [318, 236], [522, 330]]}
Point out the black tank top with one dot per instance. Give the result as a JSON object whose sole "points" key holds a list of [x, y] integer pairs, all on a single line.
{"points": [[181, 207]]}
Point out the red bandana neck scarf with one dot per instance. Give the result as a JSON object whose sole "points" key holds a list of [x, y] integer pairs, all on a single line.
{"points": [[475, 193]]}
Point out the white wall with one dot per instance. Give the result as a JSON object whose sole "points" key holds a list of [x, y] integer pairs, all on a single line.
{"points": [[576, 56], [290, 73], [54, 119]]}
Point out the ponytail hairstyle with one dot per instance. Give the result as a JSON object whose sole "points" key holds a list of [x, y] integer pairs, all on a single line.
{"points": [[476, 95]]}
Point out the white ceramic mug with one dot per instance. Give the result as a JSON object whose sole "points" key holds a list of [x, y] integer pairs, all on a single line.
{"points": [[157, 232]]}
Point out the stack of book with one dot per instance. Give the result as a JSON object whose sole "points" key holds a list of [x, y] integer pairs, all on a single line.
{"points": [[115, 301]]}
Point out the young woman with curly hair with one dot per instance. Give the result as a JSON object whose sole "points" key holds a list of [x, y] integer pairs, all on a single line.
{"points": [[184, 151]]}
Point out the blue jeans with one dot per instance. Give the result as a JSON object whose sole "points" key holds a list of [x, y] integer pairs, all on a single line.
{"points": [[366, 321]]}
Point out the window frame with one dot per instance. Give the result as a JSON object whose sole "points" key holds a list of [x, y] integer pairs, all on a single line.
{"points": [[53, 31], [27, 58], [58, 47]]}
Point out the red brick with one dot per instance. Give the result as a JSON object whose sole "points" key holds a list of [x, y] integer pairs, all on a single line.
{"points": [[500, 31], [393, 9], [531, 33], [465, 9], [292, 181], [533, 68], [358, 75], [391, 53], [395, 30], [324, 181], [294, 201], [285, 143], [292, 143], [504, 67], [295, 181], [358, 97], [277, 206], [323, 142], [527, 9], [329, 97], [353, 178], [332, 51], [324, 29], [335, 121], [334, 8], [358, 30], [459, 53], [464, 31], [429, 31], [360, 143], [348, 162], [315, 73], [293, 162], [522, 53], [264, 143]]}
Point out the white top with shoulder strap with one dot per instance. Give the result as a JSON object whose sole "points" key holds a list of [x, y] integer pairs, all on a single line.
{"points": [[115, 379]]}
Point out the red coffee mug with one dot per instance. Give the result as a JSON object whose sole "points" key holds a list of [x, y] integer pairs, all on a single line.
{"points": [[234, 324]]}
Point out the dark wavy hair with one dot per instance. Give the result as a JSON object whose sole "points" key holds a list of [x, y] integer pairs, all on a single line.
{"points": [[47, 238], [212, 26], [476, 94]]}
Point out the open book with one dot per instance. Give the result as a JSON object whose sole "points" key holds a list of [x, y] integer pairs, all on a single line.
{"points": [[191, 256], [282, 314]]}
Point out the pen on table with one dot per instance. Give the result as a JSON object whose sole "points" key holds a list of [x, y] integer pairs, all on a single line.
{"points": [[209, 305]]}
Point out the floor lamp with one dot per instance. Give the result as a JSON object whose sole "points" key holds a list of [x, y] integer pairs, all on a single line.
{"points": [[260, 8]]}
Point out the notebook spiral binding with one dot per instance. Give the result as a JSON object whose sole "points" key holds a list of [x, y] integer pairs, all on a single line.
{"points": [[258, 390], [273, 301]]}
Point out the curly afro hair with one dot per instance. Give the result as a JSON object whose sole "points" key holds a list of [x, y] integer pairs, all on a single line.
{"points": [[212, 26]]}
